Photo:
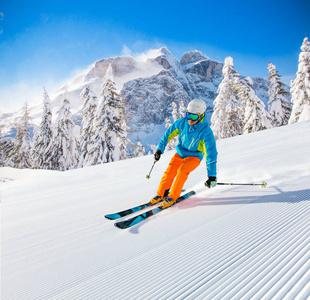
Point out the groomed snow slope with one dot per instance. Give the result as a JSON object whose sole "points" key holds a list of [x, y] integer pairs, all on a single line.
{"points": [[230, 242]]}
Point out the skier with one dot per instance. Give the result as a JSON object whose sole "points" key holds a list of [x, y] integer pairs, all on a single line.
{"points": [[196, 139]]}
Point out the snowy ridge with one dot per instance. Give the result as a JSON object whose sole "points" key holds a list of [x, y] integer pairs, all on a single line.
{"points": [[150, 81], [230, 242]]}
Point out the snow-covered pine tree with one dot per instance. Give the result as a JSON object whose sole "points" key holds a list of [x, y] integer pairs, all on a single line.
{"points": [[43, 136], [89, 112], [122, 138], [178, 114], [108, 126], [22, 153], [171, 145], [256, 117], [175, 114], [168, 123], [2, 151], [300, 86], [153, 149], [182, 109], [226, 120], [62, 152], [139, 149], [7, 147], [279, 106]]}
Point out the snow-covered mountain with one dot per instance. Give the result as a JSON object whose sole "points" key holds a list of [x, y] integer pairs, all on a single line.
{"points": [[229, 242], [148, 83]]}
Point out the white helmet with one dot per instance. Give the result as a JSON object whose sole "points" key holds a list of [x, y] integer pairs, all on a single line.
{"points": [[196, 106]]}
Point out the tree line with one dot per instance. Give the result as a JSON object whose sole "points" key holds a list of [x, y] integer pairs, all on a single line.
{"points": [[238, 110], [63, 145]]}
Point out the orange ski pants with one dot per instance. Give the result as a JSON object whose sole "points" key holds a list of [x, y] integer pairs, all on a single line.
{"points": [[177, 171]]}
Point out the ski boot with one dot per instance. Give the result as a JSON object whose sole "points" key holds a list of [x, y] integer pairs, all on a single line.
{"points": [[167, 202], [156, 199]]}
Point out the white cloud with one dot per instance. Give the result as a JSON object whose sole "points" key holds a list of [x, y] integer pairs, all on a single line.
{"points": [[141, 50], [141, 56], [14, 96], [126, 51]]}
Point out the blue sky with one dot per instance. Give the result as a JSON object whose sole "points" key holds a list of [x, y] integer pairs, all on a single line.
{"points": [[43, 43]]}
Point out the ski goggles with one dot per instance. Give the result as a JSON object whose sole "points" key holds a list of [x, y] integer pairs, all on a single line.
{"points": [[192, 117]]}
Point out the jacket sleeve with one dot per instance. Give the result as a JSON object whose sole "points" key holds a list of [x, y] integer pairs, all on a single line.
{"points": [[170, 133], [210, 152]]}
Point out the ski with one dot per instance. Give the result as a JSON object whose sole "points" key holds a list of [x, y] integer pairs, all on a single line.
{"points": [[127, 212], [137, 219], [132, 210]]}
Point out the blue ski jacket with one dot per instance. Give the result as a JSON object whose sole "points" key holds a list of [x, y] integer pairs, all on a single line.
{"points": [[197, 140]]}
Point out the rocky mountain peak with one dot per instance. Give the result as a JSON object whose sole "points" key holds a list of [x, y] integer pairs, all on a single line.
{"points": [[192, 57], [121, 65], [167, 60]]}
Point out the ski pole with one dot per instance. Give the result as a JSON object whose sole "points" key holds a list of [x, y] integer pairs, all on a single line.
{"points": [[149, 175], [263, 184]]}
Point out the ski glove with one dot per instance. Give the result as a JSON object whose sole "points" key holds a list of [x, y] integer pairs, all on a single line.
{"points": [[157, 155], [211, 182]]}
